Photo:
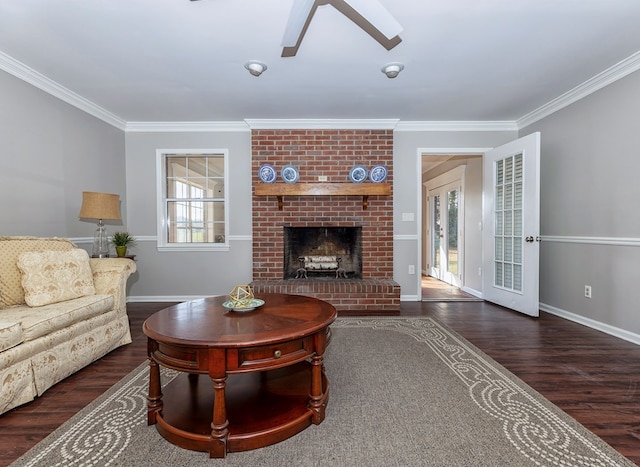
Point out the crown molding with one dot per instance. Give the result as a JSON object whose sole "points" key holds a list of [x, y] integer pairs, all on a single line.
{"points": [[599, 81], [167, 127], [321, 124], [31, 76], [457, 126]]}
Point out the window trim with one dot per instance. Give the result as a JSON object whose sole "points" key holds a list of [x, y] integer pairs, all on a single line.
{"points": [[161, 204]]}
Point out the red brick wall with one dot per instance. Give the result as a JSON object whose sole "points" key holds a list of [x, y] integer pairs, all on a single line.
{"points": [[331, 153]]}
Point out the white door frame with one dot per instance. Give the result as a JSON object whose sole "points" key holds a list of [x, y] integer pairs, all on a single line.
{"points": [[433, 152]]}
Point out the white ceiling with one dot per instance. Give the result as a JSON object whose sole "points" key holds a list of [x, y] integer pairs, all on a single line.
{"points": [[183, 61]]}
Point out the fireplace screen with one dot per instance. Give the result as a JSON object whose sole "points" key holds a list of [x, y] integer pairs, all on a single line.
{"points": [[323, 253]]}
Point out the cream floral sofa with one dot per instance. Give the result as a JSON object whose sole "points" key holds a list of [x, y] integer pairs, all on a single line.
{"points": [[59, 311]]}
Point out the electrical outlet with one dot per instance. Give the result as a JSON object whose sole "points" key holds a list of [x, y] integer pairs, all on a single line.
{"points": [[412, 269], [587, 291], [322, 178]]}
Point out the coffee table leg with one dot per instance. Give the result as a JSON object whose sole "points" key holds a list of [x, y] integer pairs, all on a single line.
{"points": [[317, 399], [154, 399], [220, 424]]}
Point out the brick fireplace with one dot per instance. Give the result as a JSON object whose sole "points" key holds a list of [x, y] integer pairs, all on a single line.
{"points": [[330, 154]]}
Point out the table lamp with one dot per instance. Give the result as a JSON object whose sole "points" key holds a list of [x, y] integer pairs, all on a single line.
{"points": [[100, 206]]}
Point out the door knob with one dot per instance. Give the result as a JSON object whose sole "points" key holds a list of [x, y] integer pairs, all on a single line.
{"points": [[529, 239]]}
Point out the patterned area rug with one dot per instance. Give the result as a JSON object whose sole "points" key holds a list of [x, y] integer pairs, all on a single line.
{"points": [[404, 392]]}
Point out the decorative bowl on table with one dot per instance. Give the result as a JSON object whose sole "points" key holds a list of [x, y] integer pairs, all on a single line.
{"points": [[241, 299]]}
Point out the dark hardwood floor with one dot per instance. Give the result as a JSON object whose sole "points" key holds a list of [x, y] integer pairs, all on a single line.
{"points": [[590, 375]]}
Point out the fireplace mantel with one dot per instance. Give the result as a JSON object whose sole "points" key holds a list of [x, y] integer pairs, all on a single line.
{"points": [[323, 189]]}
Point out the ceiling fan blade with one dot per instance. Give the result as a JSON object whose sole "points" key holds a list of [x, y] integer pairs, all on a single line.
{"points": [[370, 15], [376, 14], [301, 13]]}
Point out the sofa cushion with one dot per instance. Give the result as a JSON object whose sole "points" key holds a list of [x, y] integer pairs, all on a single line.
{"points": [[55, 276], [10, 335], [11, 292], [40, 321]]}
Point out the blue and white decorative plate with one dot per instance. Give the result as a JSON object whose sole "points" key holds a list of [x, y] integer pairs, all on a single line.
{"points": [[290, 174], [378, 174], [358, 174], [267, 173]]}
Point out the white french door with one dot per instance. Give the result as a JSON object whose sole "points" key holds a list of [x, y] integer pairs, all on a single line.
{"points": [[511, 224], [445, 233]]}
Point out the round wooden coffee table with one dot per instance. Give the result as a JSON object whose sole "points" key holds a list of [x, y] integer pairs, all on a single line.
{"points": [[267, 379]]}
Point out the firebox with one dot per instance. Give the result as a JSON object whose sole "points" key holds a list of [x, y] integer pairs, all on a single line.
{"points": [[322, 253]]}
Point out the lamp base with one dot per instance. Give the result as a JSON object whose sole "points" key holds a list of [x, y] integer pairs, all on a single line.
{"points": [[100, 242]]}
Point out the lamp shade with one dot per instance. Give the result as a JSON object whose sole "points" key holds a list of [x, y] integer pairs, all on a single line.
{"points": [[100, 206]]}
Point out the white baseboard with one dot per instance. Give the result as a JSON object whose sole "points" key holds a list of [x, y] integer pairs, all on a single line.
{"points": [[474, 292], [593, 324], [409, 298]]}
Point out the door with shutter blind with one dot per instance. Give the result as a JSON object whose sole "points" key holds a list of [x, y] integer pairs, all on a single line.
{"points": [[511, 225]]}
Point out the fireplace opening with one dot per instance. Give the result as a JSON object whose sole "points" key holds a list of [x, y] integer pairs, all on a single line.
{"points": [[323, 253]]}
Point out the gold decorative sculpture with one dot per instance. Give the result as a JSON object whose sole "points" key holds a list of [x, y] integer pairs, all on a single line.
{"points": [[241, 296]]}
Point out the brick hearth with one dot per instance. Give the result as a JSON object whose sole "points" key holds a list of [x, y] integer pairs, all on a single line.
{"points": [[329, 153], [345, 294]]}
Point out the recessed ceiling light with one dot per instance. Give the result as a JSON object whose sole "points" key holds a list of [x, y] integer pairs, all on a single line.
{"points": [[392, 69], [255, 68]]}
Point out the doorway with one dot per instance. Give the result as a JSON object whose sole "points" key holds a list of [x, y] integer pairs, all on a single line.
{"points": [[451, 206]]}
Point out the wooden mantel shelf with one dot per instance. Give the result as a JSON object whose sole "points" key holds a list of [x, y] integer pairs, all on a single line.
{"points": [[323, 189]]}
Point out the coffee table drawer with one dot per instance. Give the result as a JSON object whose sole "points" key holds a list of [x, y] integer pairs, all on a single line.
{"points": [[275, 355]]}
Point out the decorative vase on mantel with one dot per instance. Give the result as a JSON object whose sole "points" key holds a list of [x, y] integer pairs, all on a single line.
{"points": [[121, 251]]}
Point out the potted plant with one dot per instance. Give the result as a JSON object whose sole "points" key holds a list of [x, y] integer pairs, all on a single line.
{"points": [[122, 240]]}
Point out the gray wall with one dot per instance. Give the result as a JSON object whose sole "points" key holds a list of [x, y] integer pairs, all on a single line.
{"points": [[183, 275], [590, 220], [51, 153]]}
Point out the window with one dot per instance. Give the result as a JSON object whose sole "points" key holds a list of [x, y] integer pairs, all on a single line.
{"points": [[193, 200]]}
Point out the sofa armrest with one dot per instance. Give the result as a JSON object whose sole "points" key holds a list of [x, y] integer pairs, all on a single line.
{"points": [[110, 278]]}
